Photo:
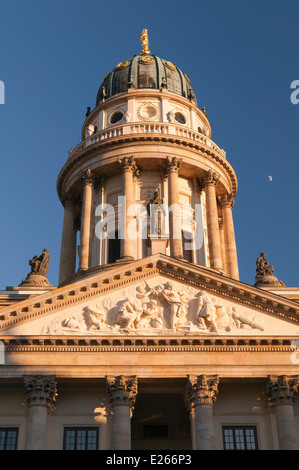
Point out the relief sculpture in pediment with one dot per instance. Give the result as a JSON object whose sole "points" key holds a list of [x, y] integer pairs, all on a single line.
{"points": [[162, 309]]}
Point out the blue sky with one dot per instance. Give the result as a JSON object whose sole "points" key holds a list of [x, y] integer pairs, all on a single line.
{"points": [[241, 57]]}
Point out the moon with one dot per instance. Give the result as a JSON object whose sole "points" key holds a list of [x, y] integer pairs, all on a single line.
{"points": [[270, 178]]}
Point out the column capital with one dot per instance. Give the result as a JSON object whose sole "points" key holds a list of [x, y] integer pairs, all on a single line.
{"points": [[281, 390], [210, 178], [227, 200], [87, 178], [122, 390], [202, 390], [128, 164], [40, 390], [173, 164], [68, 200]]}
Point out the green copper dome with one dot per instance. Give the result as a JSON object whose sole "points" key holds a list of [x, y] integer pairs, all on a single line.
{"points": [[145, 71]]}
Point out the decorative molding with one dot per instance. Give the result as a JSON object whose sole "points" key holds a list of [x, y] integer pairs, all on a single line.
{"points": [[87, 178], [202, 390], [210, 178], [282, 390], [172, 141], [40, 390], [122, 390], [68, 200], [227, 201], [131, 344], [144, 116], [173, 164], [128, 164]]}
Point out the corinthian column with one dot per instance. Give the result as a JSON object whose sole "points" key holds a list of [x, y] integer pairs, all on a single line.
{"points": [[122, 392], [201, 395], [68, 241], [282, 392], [129, 169], [209, 184], [87, 181], [40, 394], [229, 235], [173, 166]]}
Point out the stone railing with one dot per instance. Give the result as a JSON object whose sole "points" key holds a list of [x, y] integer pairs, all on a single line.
{"points": [[146, 128]]}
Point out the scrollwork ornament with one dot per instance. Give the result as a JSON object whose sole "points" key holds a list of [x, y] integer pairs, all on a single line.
{"points": [[227, 201], [87, 177], [128, 164], [281, 390], [202, 390], [122, 390], [40, 390], [210, 178], [173, 164]]}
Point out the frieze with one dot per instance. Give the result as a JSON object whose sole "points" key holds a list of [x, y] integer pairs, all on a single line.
{"points": [[155, 309]]}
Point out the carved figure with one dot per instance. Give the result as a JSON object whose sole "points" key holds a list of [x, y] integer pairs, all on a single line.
{"points": [[129, 314], [143, 295], [40, 265], [171, 116], [175, 303], [262, 265], [72, 323], [96, 320], [157, 212], [127, 116], [206, 311], [144, 42], [152, 316]]}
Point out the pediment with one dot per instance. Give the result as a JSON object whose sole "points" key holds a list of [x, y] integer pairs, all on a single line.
{"points": [[156, 296]]}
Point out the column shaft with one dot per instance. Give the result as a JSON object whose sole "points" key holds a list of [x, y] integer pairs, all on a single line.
{"points": [[175, 231], [209, 183], [121, 428], [223, 245], [286, 427], [86, 220], [204, 427], [68, 242], [230, 241], [36, 438], [129, 169]]}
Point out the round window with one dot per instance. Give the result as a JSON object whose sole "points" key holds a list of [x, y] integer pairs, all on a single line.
{"points": [[116, 117], [180, 118]]}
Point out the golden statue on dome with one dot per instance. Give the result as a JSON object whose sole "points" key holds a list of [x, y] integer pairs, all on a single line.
{"points": [[144, 41]]}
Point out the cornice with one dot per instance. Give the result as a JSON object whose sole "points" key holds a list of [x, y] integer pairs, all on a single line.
{"points": [[142, 139], [136, 271], [132, 344]]}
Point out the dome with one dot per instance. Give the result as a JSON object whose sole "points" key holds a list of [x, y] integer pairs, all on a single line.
{"points": [[145, 71]]}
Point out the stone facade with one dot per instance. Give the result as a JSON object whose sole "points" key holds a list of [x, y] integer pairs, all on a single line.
{"points": [[150, 340]]}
